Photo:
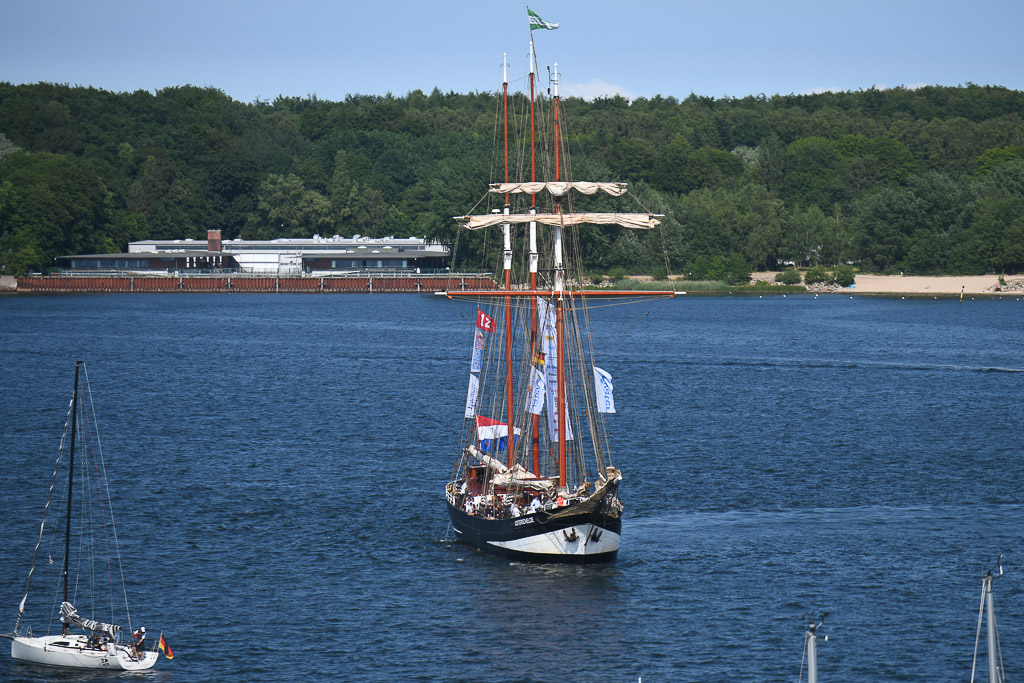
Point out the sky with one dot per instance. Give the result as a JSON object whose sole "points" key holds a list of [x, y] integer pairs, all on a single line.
{"points": [[262, 49]]}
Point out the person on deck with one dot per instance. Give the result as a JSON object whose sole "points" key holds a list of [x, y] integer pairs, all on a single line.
{"points": [[516, 512], [140, 641], [535, 505]]}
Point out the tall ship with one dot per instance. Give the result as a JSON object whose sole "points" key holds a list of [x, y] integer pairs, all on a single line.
{"points": [[534, 478]]}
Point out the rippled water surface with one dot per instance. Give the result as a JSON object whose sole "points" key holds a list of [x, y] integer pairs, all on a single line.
{"points": [[277, 464]]}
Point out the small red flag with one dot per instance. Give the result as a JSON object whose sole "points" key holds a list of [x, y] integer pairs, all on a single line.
{"points": [[484, 321], [163, 646]]}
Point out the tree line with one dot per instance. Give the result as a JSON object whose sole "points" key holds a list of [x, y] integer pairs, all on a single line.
{"points": [[923, 181]]}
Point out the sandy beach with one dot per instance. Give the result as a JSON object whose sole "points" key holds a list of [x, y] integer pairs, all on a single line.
{"points": [[923, 285], [916, 284]]}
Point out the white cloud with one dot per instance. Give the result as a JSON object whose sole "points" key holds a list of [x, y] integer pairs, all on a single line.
{"points": [[594, 89]]}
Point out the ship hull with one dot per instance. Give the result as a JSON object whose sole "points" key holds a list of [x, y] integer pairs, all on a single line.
{"points": [[564, 536], [73, 652]]}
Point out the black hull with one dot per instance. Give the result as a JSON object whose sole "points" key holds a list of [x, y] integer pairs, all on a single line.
{"points": [[561, 536]]}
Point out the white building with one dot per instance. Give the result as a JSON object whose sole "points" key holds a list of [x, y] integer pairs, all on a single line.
{"points": [[284, 257]]}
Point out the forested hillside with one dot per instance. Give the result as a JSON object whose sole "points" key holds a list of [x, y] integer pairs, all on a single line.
{"points": [[923, 181]]}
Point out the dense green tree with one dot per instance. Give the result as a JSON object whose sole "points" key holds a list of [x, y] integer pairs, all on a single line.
{"points": [[916, 180], [988, 160], [50, 205], [805, 236], [884, 223], [287, 209]]}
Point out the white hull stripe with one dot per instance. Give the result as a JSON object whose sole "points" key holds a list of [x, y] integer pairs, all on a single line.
{"points": [[589, 540]]}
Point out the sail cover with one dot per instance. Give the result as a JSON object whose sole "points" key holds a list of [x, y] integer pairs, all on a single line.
{"points": [[69, 614], [639, 221], [518, 476], [557, 189]]}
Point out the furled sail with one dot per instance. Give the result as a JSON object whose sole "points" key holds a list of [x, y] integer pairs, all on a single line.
{"points": [[557, 189], [639, 221], [518, 476], [69, 615]]}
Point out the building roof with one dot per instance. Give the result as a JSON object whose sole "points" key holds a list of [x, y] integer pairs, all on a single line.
{"points": [[290, 243], [148, 254]]}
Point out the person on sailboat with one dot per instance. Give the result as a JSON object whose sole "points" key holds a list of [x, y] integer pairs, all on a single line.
{"points": [[140, 641]]}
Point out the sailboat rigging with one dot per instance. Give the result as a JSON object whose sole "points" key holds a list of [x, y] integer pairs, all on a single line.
{"points": [[99, 644], [553, 497]]}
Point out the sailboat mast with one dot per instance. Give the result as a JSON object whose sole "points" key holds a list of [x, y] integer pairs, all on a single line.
{"points": [[987, 609], [559, 302], [71, 479], [990, 630], [812, 652], [535, 432]]}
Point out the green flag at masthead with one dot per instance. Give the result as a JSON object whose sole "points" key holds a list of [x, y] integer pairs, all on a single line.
{"points": [[537, 22]]}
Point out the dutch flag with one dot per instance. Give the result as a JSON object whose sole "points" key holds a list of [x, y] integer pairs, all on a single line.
{"points": [[493, 435]]}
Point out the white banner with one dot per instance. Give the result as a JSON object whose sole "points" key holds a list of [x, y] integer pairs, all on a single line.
{"points": [[535, 397], [474, 389], [603, 390], [549, 343], [478, 350], [553, 411]]}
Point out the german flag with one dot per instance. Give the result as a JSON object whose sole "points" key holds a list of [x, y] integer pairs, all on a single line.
{"points": [[163, 646]]}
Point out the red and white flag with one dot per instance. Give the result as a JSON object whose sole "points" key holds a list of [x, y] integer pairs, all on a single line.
{"points": [[484, 321]]}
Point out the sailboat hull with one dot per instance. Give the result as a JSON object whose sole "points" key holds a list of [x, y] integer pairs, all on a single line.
{"points": [[72, 652], [565, 537]]}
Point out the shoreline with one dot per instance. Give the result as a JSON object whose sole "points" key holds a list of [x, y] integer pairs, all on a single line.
{"points": [[923, 285]]}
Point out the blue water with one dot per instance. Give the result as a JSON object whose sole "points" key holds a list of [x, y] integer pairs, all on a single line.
{"points": [[277, 465]]}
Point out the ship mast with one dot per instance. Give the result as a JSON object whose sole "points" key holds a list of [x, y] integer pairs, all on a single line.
{"points": [[507, 260], [535, 432], [559, 301], [559, 291]]}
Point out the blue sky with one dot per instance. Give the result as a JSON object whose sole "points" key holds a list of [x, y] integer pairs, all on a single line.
{"points": [[258, 49]]}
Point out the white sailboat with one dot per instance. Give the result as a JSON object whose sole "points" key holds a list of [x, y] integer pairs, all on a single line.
{"points": [[83, 642]]}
